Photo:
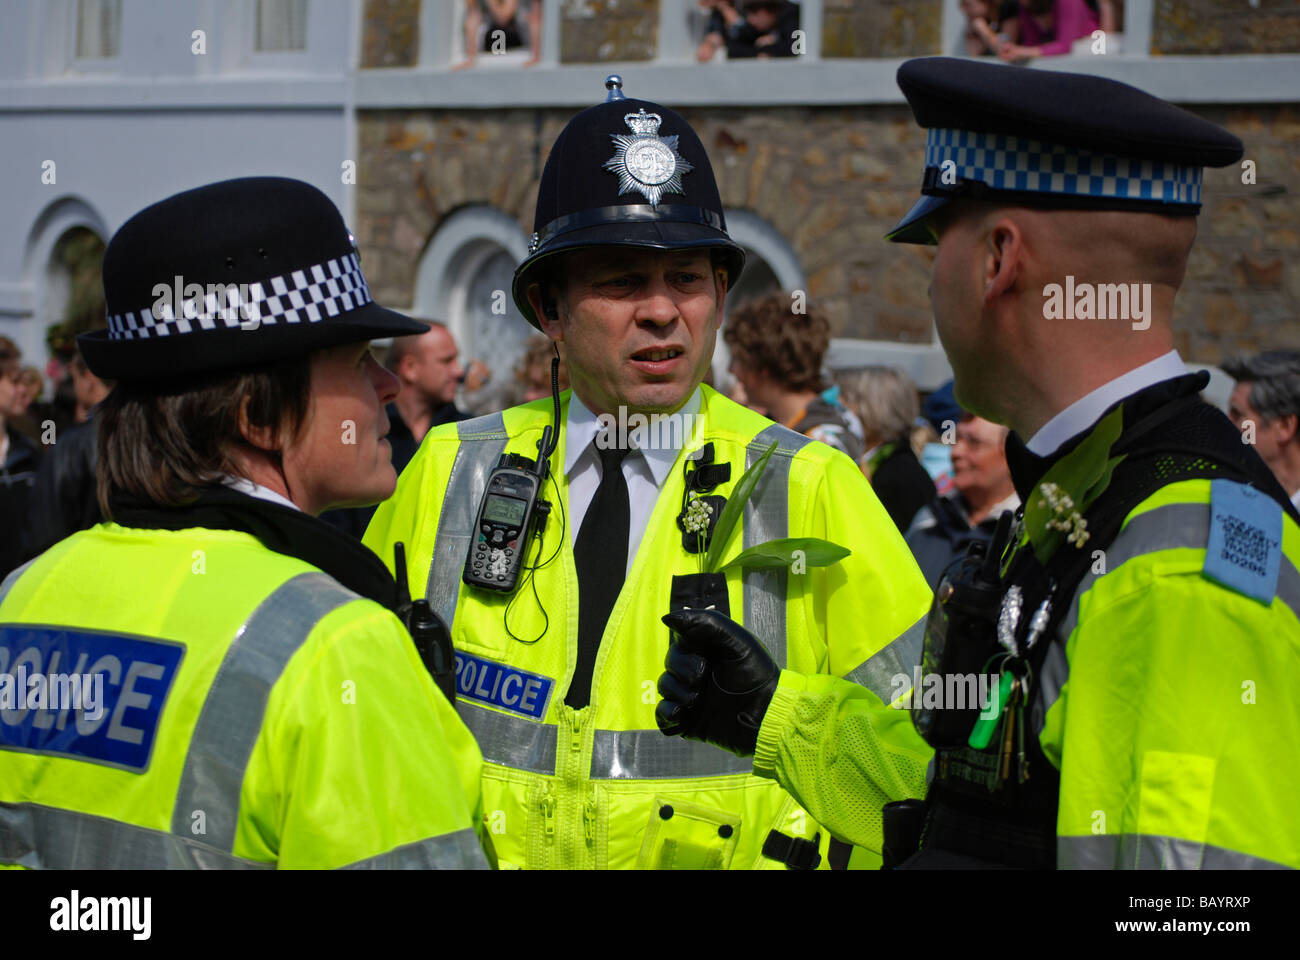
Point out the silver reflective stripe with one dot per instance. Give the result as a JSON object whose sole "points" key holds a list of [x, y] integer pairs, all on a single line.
{"points": [[767, 517], [48, 838], [1139, 851], [1171, 527], [509, 740], [1052, 677], [12, 579], [902, 654], [231, 718], [482, 441], [649, 755], [451, 851]]}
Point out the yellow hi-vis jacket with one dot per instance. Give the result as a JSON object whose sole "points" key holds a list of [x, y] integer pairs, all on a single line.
{"points": [[1171, 706], [601, 787], [245, 711]]}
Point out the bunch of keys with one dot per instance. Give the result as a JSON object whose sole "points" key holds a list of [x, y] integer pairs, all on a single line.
{"points": [[1014, 684]]}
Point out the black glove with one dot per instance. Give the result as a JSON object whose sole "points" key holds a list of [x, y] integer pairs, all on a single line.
{"points": [[718, 683]]}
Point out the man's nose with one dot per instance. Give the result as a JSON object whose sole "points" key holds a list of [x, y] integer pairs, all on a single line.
{"points": [[659, 305]]}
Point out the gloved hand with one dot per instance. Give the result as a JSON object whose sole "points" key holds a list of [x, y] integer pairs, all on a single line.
{"points": [[718, 683]]}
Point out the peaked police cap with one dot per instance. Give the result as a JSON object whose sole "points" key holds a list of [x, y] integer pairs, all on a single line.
{"points": [[625, 173], [1045, 138], [230, 276]]}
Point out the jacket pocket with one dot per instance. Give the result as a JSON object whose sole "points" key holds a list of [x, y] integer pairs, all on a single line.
{"points": [[688, 836]]}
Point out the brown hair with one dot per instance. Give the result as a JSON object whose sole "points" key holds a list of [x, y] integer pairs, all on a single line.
{"points": [[10, 359], [163, 442], [766, 334]]}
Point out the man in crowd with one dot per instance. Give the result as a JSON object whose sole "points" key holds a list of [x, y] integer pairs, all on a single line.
{"points": [[1265, 406]]}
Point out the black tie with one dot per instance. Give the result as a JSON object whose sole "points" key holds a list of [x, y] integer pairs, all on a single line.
{"points": [[600, 554]]}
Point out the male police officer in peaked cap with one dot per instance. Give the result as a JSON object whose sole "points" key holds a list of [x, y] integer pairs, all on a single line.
{"points": [[248, 691], [1154, 566], [557, 622]]}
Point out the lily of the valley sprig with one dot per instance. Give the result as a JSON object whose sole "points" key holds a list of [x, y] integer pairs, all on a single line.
{"points": [[1055, 510]]}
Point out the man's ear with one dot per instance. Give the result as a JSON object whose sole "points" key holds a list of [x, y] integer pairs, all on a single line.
{"points": [[1004, 248], [1288, 425], [547, 312]]}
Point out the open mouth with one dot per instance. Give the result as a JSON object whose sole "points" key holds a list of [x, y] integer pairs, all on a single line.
{"points": [[656, 356]]}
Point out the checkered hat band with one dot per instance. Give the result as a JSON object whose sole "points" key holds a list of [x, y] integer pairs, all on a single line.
{"points": [[308, 295], [1005, 162]]}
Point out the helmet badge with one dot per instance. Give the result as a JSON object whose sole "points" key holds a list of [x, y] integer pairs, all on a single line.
{"points": [[646, 162]]}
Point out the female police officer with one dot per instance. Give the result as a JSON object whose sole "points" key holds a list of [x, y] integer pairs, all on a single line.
{"points": [[245, 698]]}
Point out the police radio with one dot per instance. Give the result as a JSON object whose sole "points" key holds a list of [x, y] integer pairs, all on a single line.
{"points": [[508, 515], [512, 510]]}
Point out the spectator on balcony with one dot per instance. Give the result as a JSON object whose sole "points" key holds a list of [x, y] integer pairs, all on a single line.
{"points": [[494, 26], [749, 29], [986, 25], [1049, 28]]}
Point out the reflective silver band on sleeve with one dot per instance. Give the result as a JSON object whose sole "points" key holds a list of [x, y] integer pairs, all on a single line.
{"points": [[767, 517], [482, 441], [451, 851], [649, 755], [1140, 851], [510, 741], [877, 672], [48, 838], [232, 714]]}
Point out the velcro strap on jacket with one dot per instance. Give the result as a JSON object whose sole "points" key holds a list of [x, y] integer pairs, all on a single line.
{"points": [[795, 852]]}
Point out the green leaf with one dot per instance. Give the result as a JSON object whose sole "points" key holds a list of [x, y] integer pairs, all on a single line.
{"points": [[781, 553], [735, 508], [1083, 474]]}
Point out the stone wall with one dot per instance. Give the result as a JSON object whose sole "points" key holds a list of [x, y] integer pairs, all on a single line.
{"points": [[599, 31], [391, 35], [1225, 26], [881, 28], [831, 180]]}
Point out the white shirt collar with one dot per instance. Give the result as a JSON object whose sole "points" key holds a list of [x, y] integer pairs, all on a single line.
{"points": [[582, 427], [252, 489], [1087, 410]]}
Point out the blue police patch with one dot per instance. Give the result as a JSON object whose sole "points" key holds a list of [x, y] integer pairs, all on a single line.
{"points": [[498, 685], [1245, 549], [83, 694]]}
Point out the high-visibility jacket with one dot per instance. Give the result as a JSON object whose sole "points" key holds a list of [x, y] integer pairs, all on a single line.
{"points": [[601, 787], [251, 712], [1171, 706]]}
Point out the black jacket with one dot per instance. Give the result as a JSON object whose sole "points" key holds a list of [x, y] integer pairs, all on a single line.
{"points": [[902, 485], [17, 483], [64, 499]]}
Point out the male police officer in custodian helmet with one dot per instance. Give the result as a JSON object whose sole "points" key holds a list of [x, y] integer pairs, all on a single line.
{"points": [[244, 694], [556, 624], [1135, 632]]}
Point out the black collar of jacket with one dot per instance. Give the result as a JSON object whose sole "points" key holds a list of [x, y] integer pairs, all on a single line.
{"points": [[290, 532], [1028, 468]]}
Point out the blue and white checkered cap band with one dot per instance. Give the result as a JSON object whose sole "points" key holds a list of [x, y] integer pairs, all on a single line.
{"points": [[1006, 162], [308, 295]]}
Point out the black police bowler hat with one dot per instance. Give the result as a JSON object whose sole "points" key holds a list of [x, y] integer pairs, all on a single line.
{"points": [[625, 173], [229, 276]]}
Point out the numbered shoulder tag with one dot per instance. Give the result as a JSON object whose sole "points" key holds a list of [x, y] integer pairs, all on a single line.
{"points": [[1244, 552]]}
